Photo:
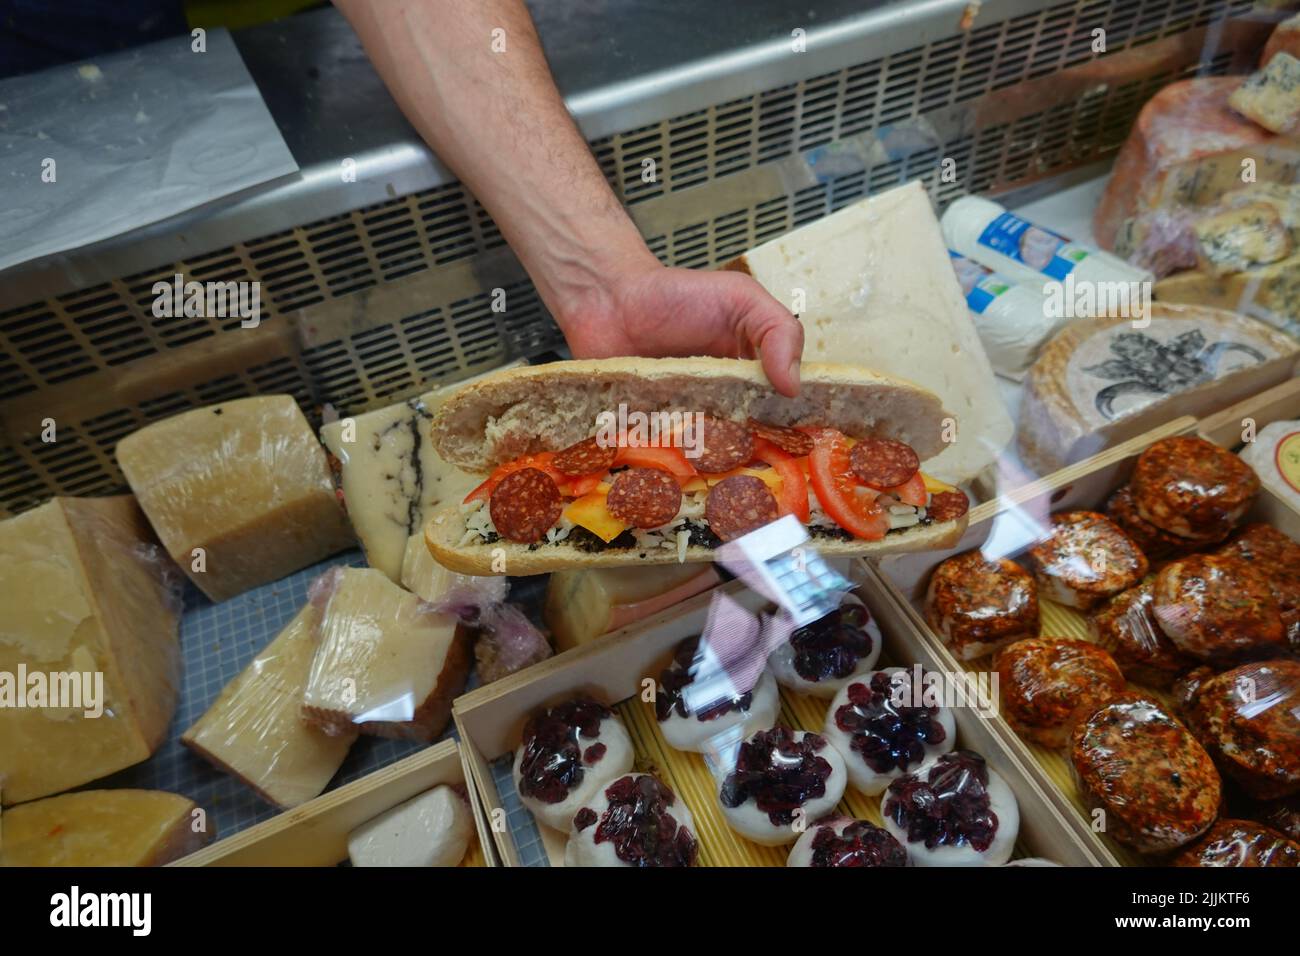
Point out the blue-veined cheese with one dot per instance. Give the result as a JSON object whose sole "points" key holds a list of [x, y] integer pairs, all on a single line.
{"points": [[1271, 97]]}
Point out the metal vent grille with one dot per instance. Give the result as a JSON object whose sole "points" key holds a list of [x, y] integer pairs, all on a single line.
{"points": [[100, 330]]}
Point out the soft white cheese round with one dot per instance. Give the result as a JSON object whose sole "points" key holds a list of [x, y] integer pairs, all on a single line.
{"points": [[757, 825], [587, 845], [782, 662], [801, 854], [721, 733]]}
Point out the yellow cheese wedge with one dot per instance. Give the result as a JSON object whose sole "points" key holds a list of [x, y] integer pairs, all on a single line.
{"points": [[255, 729], [247, 482], [103, 828], [934, 485], [82, 591], [590, 512]]}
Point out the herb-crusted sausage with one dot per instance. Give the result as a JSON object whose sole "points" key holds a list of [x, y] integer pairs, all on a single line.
{"points": [[977, 606], [1084, 559], [1218, 609], [1046, 684]]}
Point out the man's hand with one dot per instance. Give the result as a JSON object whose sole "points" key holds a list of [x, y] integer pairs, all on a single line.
{"points": [[657, 311], [471, 77]]}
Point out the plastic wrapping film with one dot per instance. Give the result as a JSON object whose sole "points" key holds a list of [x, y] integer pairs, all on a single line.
{"points": [[1149, 783], [1046, 685], [247, 482], [977, 605], [89, 609], [1248, 719], [1127, 628], [255, 728], [1099, 380], [386, 662], [1084, 558], [953, 811], [103, 828], [1231, 843]]}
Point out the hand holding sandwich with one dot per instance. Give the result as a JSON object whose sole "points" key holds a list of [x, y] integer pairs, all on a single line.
{"points": [[494, 116]]}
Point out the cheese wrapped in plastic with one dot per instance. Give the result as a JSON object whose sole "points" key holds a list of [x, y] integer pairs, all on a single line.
{"points": [[386, 662], [255, 728], [104, 828], [1126, 626], [583, 605], [244, 481], [89, 657]]}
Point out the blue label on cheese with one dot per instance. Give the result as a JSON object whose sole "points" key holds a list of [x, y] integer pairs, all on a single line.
{"points": [[1039, 248]]}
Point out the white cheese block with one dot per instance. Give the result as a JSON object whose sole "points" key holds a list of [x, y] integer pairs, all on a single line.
{"points": [[103, 828], [1271, 97], [245, 481], [255, 729], [1275, 456], [385, 662], [84, 590], [873, 286], [391, 476], [433, 829]]}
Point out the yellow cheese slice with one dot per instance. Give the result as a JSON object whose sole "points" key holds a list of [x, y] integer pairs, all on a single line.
{"points": [[590, 512]]}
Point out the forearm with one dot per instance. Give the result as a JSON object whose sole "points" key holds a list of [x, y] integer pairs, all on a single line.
{"points": [[497, 120]]}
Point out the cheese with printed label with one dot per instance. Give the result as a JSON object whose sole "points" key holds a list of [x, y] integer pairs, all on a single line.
{"points": [[85, 593], [1275, 456], [1271, 97], [583, 605], [255, 728], [385, 663], [103, 828], [245, 481], [391, 477]]}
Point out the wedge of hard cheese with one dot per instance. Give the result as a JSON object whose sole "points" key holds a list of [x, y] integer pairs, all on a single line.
{"points": [[85, 590], [245, 481], [433, 829], [255, 728], [873, 285], [385, 663], [583, 605], [103, 828]]}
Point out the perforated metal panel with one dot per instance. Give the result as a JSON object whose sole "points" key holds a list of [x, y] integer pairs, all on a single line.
{"points": [[369, 306]]}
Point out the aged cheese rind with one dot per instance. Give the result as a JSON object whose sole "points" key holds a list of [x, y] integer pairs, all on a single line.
{"points": [[255, 728], [392, 477], [385, 664], [247, 482], [850, 275], [84, 586], [103, 828]]}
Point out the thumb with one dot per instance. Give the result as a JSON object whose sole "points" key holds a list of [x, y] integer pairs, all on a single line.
{"points": [[770, 330]]}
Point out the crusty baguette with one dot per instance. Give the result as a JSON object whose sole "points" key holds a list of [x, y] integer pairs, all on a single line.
{"points": [[549, 407], [445, 529]]}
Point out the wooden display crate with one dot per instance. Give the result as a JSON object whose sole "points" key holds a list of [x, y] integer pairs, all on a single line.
{"points": [[613, 669], [316, 833], [1007, 527]]}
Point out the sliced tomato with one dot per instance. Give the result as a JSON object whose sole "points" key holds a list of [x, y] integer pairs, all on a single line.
{"points": [[582, 485], [793, 497], [911, 492], [541, 461], [672, 460], [849, 503]]}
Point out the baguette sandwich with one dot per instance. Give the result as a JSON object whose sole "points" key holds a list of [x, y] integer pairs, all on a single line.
{"points": [[623, 462]]}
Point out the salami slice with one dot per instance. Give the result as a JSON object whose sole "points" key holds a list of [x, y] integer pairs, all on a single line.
{"points": [[947, 505], [789, 440], [644, 497], [737, 505], [723, 445], [584, 457], [883, 463], [525, 505]]}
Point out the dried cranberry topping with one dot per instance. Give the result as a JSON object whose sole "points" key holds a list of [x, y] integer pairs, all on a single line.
{"points": [[681, 674], [640, 826], [831, 647], [779, 772], [859, 844], [886, 735], [950, 807], [552, 762], [593, 753], [584, 818]]}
